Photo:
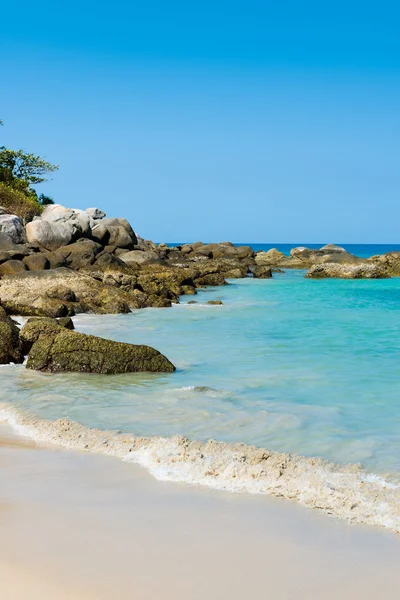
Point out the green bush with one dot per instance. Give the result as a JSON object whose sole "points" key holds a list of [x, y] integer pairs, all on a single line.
{"points": [[17, 202]]}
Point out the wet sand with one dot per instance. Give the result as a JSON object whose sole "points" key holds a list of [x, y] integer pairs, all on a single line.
{"points": [[84, 527]]}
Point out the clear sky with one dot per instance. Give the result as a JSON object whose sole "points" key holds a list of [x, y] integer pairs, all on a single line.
{"points": [[250, 121]]}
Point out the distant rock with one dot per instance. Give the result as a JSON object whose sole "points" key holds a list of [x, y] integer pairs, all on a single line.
{"points": [[389, 261], [361, 271], [139, 257]]}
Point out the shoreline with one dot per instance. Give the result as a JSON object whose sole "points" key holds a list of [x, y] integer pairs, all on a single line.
{"points": [[344, 491], [84, 527]]}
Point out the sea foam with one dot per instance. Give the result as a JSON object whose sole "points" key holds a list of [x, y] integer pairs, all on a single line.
{"points": [[346, 491]]}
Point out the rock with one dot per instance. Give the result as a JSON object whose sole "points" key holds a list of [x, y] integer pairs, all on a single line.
{"points": [[59, 226], [56, 349], [56, 212], [212, 279], [55, 259], [196, 246], [80, 254], [215, 302], [389, 261], [27, 294], [189, 290], [192, 302], [49, 235], [138, 257], [332, 248], [245, 252], [271, 258], [65, 322], [115, 232], [261, 272], [10, 346], [95, 213], [361, 271], [11, 267], [12, 227], [61, 292], [37, 262]]}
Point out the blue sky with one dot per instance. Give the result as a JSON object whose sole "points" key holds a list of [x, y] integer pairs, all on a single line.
{"points": [[249, 121]]}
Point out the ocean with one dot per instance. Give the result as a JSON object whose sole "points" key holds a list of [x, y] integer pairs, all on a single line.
{"points": [[307, 367]]}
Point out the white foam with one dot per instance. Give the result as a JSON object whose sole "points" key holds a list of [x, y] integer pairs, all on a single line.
{"points": [[345, 491]]}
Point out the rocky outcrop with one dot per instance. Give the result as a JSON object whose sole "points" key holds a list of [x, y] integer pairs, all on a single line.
{"points": [[10, 347], [56, 349], [61, 292], [304, 258], [59, 226], [390, 262], [361, 271]]}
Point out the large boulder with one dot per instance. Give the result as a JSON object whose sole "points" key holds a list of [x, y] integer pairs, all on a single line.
{"points": [[56, 349], [362, 271], [11, 267], [12, 227], [36, 262], [272, 258], [50, 235], [80, 254], [115, 232], [10, 346]]}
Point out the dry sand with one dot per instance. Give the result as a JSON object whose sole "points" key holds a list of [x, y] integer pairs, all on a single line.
{"points": [[87, 527]]}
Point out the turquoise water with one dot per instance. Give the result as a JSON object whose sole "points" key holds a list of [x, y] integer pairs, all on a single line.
{"points": [[311, 367]]}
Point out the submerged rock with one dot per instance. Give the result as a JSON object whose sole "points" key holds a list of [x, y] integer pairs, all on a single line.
{"points": [[56, 349], [10, 345], [362, 271]]}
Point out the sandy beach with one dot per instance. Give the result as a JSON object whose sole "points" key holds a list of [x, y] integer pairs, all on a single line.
{"points": [[91, 527]]}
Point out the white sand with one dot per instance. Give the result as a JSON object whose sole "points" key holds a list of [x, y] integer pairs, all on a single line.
{"points": [[87, 527]]}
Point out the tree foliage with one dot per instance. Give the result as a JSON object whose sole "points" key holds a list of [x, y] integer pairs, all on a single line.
{"points": [[17, 164]]}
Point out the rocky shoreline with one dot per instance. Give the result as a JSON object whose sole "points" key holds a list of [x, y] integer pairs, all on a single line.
{"points": [[70, 261]]}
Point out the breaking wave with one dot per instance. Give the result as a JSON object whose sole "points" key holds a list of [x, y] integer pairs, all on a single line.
{"points": [[346, 491]]}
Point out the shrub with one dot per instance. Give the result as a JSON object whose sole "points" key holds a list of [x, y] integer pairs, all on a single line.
{"points": [[18, 203]]}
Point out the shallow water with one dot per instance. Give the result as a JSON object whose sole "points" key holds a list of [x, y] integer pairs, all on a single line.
{"points": [[295, 365]]}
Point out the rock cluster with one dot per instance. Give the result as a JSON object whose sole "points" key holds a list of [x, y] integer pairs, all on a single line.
{"points": [[361, 271], [304, 258]]}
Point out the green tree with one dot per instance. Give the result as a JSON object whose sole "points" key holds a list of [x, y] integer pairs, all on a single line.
{"points": [[17, 164]]}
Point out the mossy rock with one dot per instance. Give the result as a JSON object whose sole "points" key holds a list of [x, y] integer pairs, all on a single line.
{"points": [[56, 349], [10, 345]]}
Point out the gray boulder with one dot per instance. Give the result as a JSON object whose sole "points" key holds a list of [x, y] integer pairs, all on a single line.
{"points": [[12, 227], [115, 232], [50, 235]]}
